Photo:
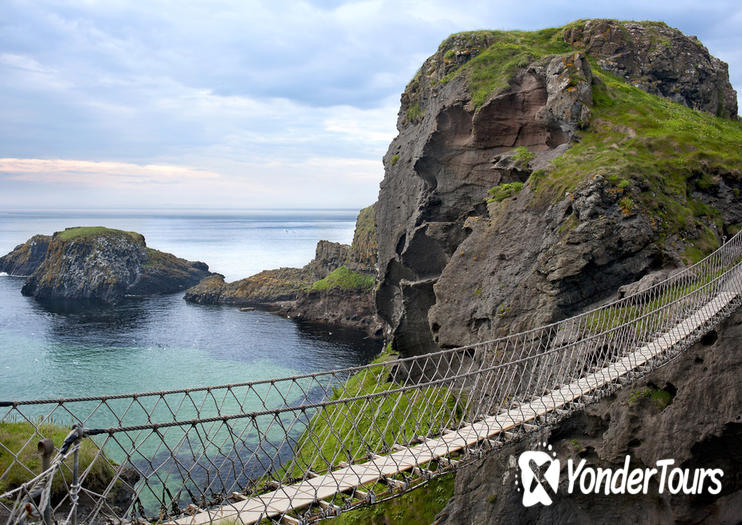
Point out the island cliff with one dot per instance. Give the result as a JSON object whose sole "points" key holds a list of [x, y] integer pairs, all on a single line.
{"points": [[99, 265], [535, 173], [334, 289]]}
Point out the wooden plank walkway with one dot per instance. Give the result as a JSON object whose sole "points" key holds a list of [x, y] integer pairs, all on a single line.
{"points": [[307, 492]]}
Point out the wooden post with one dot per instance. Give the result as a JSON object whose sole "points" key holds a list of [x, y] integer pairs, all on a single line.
{"points": [[46, 449]]}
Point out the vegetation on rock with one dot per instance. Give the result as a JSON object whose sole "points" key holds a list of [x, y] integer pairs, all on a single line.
{"points": [[358, 431], [22, 436], [345, 279], [85, 232], [503, 191]]}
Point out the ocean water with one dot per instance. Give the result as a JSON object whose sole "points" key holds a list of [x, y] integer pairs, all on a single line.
{"points": [[159, 343], [235, 244]]}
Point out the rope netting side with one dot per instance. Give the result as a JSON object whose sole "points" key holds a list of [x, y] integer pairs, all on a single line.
{"points": [[307, 446]]}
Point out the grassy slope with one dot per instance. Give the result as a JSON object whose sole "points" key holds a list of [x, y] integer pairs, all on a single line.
{"points": [[492, 69], [14, 437], [357, 426], [655, 152], [81, 232], [418, 507]]}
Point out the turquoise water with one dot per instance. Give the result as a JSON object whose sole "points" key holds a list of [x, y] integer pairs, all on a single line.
{"points": [[162, 343]]}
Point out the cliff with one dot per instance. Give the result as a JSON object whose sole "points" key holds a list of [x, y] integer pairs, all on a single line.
{"points": [[26, 257], [334, 289], [100, 265], [535, 173]]}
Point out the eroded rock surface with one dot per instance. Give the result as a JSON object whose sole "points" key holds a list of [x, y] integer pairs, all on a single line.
{"points": [[660, 60], [456, 269]]}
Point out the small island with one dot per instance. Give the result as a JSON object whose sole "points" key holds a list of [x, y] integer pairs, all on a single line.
{"points": [[98, 264]]}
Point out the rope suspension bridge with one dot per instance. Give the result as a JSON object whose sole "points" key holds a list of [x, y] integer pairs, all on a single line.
{"points": [[298, 449]]}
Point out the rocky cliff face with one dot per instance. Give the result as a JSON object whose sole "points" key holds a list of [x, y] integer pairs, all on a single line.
{"points": [[526, 185], [26, 257], [688, 411], [104, 265], [659, 60]]}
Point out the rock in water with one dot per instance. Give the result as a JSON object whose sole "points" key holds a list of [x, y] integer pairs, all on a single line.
{"points": [[102, 265], [26, 257]]}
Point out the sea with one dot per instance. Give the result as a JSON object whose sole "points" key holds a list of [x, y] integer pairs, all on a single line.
{"points": [[162, 342]]}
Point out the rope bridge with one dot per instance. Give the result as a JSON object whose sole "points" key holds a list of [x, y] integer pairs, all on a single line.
{"points": [[298, 449]]}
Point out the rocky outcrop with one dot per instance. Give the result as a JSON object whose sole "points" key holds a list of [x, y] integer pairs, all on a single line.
{"points": [[500, 112], [26, 257], [688, 411], [363, 253], [660, 60], [104, 265], [346, 299], [336, 306], [266, 287]]}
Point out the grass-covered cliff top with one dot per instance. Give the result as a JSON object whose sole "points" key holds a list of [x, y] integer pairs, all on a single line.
{"points": [[655, 153], [364, 236], [86, 232], [508, 51]]}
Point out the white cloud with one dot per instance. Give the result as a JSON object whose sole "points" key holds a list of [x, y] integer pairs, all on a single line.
{"points": [[91, 173]]}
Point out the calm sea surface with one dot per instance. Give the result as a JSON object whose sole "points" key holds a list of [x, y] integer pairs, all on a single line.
{"points": [[161, 342]]}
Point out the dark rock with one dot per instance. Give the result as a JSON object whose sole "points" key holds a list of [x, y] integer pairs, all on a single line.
{"points": [[660, 60], [26, 257], [335, 307], [698, 425], [103, 265]]}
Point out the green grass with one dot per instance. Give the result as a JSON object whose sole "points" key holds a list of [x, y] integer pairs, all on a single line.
{"points": [[418, 507], [395, 158], [522, 156], [348, 431], [414, 112], [81, 232], [652, 143], [14, 435], [492, 69], [345, 279], [503, 191], [661, 398]]}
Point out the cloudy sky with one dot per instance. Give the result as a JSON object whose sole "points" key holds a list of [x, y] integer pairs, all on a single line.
{"points": [[242, 104]]}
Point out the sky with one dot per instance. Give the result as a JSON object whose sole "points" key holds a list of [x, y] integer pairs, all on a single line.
{"points": [[235, 104]]}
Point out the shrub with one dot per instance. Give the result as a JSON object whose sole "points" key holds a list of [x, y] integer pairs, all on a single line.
{"points": [[503, 191]]}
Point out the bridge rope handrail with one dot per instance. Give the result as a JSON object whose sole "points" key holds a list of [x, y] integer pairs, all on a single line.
{"points": [[264, 445]]}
